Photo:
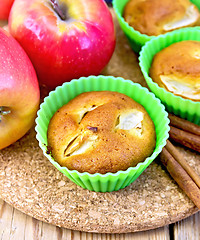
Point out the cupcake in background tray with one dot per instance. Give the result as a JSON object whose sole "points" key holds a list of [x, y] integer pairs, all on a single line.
{"points": [[170, 64], [155, 17], [177, 69], [143, 20]]}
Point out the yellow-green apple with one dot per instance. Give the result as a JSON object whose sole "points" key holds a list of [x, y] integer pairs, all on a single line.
{"points": [[5, 6], [64, 39], [19, 91]]}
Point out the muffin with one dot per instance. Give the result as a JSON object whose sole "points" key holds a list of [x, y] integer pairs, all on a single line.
{"points": [[63, 94], [176, 68], [155, 17], [101, 132]]}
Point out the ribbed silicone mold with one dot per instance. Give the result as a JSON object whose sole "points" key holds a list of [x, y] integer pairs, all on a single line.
{"points": [[62, 94], [136, 39], [185, 108]]}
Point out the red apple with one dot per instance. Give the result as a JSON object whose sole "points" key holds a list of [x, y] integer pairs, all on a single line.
{"points": [[64, 39], [5, 6], [19, 91]]}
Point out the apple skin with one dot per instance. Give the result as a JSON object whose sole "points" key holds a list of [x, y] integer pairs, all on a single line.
{"points": [[5, 6], [19, 90], [64, 50]]}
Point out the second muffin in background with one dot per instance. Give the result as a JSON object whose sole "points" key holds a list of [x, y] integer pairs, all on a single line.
{"points": [[177, 69], [181, 106], [155, 17], [137, 38]]}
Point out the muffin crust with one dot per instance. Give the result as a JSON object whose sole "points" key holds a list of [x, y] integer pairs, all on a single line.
{"points": [[155, 17], [100, 132], [177, 69]]}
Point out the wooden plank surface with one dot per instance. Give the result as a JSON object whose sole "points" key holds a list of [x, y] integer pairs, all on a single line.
{"points": [[15, 225], [189, 228]]}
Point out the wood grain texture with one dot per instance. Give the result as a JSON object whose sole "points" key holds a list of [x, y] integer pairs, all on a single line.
{"points": [[14, 225], [188, 229], [18, 226]]}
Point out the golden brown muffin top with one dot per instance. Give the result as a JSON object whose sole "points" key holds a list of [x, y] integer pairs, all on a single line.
{"points": [[155, 17], [177, 69], [101, 132]]}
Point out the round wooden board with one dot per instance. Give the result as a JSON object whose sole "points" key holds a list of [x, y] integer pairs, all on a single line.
{"points": [[31, 184]]}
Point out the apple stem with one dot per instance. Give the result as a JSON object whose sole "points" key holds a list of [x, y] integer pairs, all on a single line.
{"points": [[58, 9], [3, 112]]}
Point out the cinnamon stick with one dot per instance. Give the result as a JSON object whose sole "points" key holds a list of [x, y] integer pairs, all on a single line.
{"points": [[184, 124], [180, 176], [180, 159], [187, 139]]}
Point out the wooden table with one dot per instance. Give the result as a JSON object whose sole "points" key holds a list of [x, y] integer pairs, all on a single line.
{"points": [[17, 226]]}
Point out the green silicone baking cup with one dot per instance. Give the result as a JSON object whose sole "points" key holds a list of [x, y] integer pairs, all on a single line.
{"points": [[184, 108], [136, 39], [61, 95]]}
